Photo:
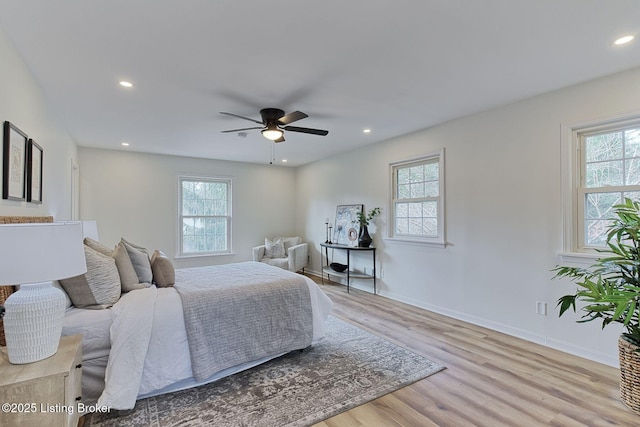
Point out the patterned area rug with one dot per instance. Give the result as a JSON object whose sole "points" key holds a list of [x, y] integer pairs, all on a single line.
{"points": [[348, 368]]}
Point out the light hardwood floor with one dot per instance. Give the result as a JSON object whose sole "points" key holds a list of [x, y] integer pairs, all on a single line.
{"points": [[491, 379]]}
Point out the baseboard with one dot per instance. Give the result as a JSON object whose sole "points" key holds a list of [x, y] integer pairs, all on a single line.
{"points": [[555, 344]]}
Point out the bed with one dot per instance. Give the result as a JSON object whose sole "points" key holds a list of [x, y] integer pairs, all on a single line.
{"points": [[149, 341], [159, 330]]}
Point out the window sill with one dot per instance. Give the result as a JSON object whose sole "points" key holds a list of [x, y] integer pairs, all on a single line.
{"points": [[178, 257], [581, 258], [416, 242]]}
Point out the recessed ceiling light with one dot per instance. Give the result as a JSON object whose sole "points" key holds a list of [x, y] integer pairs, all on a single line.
{"points": [[366, 130], [623, 40], [125, 83], [284, 160], [124, 144]]}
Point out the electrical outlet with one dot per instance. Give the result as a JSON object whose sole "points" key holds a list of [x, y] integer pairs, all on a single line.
{"points": [[541, 308]]}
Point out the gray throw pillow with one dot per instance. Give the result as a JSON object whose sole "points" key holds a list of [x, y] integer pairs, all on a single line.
{"points": [[128, 276], [140, 260]]}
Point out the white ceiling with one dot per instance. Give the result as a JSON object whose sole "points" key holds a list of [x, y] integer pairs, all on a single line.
{"points": [[394, 66]]}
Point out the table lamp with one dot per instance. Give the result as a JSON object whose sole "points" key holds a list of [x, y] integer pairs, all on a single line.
{"points": [[31, 255]]}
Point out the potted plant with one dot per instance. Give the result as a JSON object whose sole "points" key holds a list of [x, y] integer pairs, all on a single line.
{"points": [[364, 240], [610, 290]]}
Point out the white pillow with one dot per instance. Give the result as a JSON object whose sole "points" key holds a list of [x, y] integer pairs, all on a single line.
{"points": [[273, 249]]}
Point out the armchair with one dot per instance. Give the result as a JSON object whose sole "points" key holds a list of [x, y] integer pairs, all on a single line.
{"points": [[288, 253]]}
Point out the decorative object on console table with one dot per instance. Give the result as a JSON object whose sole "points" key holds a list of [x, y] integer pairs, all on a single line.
{"points": [[34, 172], [364, 239], [326, 227], [13, 163], [29, 255], [336, 266], [346, 216]]}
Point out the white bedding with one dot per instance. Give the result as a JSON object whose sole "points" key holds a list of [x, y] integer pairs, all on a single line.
{"points": [[94, 326], [166, 362]]}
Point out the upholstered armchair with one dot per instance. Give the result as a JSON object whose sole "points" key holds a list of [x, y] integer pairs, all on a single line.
{"points": [[284, 252]]}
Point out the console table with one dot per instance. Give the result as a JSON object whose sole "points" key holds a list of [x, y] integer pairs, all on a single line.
{"points": [[326, 269]]}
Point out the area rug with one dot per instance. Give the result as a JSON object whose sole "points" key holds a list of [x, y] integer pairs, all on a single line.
{"points": [[348, 368]]}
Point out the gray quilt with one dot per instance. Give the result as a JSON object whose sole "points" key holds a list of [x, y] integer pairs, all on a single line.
{"points": [[237, 313]]}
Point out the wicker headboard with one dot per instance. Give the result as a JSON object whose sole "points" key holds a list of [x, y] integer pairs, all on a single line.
{"points": [[5, 291], [24, 219]]}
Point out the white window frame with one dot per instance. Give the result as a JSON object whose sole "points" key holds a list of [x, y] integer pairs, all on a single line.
{"points": [[179, 239], [436, 241], [573, 182]]}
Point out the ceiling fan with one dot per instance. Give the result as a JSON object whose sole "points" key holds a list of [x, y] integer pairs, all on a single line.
{"points": [[275, 122]]}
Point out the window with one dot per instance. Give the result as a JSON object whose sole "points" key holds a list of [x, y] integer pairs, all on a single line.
{"points": [[609, 172], [600, 167], [417, 200], [205, 216]]}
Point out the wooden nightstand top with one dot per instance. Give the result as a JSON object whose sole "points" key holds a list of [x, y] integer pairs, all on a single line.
{"points": [[57, 364]]}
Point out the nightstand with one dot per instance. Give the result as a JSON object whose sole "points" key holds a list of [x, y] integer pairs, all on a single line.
{"points": [[43, 393]]}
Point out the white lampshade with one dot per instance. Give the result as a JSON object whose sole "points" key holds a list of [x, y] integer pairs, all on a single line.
{"points": [[29, 254], [90, 230]]}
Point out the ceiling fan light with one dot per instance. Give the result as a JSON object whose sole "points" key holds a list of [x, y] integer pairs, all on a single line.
{"points": [[272, 134]]}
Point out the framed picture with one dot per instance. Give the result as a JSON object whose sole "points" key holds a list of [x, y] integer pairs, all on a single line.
{"points": [[14, 156], [346, 227], [34, 172]]}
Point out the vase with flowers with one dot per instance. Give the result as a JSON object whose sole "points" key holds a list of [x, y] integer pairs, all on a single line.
{"points": [[364, 239]]}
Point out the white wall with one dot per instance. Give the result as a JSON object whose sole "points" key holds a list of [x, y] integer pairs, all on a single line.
{"points": [[503, 211], [134, 195], [23, 103]]}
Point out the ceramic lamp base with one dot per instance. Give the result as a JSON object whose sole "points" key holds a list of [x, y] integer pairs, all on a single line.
{"points": [[33, 322]]}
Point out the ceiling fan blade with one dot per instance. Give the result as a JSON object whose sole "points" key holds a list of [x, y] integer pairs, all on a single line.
{"points": [[240, 130], [306, 130], [241, 117], [292, 117], [281, 139]]}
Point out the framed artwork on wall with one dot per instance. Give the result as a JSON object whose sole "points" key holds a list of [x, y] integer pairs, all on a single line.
{"points": [[346, 227], [34, 172], [14, 156]]}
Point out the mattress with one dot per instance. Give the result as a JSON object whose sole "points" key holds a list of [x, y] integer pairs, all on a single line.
{"points": [[94, 326]]}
